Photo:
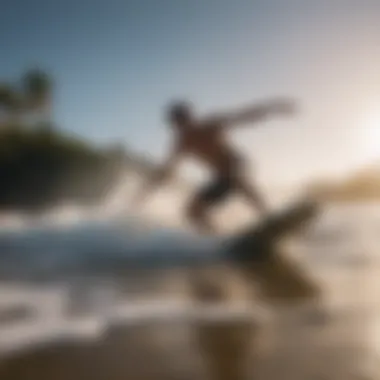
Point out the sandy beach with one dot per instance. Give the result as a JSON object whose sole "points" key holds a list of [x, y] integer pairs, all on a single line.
{"points": [[289, 343]]}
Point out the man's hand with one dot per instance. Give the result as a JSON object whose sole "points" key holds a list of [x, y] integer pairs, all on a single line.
{"points": [[285, 107], [148, 186], [158, 176]]}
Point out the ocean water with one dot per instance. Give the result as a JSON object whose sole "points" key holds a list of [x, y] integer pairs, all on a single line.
{"points": [[69, 278]]}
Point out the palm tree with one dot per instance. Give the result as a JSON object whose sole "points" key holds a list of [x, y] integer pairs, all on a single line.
{"points": [[29, 98], [37, 92], [10, 104]]}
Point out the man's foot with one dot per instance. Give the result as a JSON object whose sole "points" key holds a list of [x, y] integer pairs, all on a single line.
{"points": [[204, 227]]}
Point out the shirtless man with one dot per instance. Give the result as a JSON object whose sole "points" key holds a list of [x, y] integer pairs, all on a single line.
{"points": [[205, 140]]}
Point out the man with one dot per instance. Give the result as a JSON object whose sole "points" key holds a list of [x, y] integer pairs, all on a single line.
{"points": [[205, 141]]}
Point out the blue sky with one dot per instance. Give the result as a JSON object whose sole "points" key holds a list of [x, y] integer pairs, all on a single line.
{"points": [[117, 63]]}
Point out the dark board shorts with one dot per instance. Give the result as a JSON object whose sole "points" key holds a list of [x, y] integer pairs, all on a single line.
{"points": [[217, 190], [223, 183]]}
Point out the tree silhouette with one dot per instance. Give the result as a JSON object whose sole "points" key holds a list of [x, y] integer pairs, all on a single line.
{"points": [[31, 96], [41, 166], [37, 92], [9, 104]]}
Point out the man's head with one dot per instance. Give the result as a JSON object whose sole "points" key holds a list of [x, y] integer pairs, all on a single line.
{"points": [[180, 114]]}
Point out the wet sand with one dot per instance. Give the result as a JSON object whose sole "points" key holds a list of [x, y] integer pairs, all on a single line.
{"points": [[291, 344]]}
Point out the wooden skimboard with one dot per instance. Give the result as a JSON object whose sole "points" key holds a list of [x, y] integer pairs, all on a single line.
{"points": [[262, 258]]}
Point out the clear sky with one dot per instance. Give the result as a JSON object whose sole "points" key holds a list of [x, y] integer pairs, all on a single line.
{"points": [[118, 62]]}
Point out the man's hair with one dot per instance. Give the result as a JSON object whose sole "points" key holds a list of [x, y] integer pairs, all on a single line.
{"points": [[179, 110]]}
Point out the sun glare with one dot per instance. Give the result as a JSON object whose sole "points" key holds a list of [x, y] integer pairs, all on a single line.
{"points": [[371, 134]]}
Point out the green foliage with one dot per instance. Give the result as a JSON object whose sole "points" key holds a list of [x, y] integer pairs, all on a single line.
{"points": [[9, 99], [40, 167], [37, 88], [32, 94]]}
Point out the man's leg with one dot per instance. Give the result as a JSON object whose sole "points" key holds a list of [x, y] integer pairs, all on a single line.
{"points": [[252, 194], [197, 215], [199, 207]]}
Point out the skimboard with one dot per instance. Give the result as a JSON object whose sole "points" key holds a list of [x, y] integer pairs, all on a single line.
{"points": [[258, 252]]}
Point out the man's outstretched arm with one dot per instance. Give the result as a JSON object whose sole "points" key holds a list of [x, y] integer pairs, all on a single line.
{"points": [[256, 113]]}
